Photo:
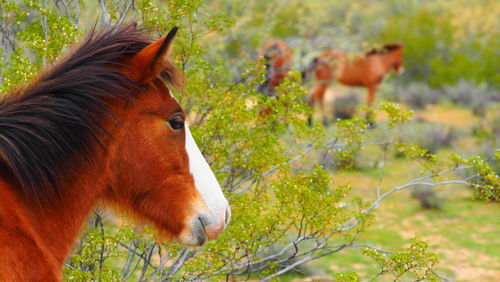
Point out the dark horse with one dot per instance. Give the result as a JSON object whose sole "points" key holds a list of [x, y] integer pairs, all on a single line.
{"points": [[366, 71], [278, 61], [100, 125]]}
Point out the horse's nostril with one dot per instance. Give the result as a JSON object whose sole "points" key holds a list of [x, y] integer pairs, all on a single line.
{"points": [[227, 216], [205, 220]]}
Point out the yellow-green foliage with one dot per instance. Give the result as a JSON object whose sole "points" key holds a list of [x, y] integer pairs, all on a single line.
{"points": [[446, 41], [486, 181], [415, 260]]}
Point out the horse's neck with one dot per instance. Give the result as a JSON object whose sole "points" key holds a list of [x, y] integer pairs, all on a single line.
{"points": [[48, 232], [387, 61], [23, 254]]}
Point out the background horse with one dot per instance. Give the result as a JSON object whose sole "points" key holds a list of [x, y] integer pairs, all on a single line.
{"points": [[366, 71], [100, 125], [278, 62]]}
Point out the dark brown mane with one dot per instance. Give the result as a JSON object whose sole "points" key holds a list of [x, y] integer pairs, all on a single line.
{"points": [[50, 128], [386, 48]]}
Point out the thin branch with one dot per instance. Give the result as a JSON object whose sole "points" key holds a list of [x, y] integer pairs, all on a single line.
{"points": [[302, 261], [124, 14], [104, 11], [370, 247], [159, 269], [66, 7], [77, 13], [183, 256], [351, 223], [444, 278], [147, 261], [126, 273], [376, 276], [99, 223], [133, 251], [45, 28], [310, 147]]}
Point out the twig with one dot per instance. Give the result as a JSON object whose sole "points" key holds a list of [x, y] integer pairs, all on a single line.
{"points": [[302, 261], [104, 11], [159, 269], [147, 261], [351, 223], [310, 147], [77, 13], [444, 278], [375, 277], [45, 28], [183, 256], [124, 14]]}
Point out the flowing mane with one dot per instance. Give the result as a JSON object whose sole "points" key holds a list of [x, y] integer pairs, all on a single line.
{"points": [[51, 127]]}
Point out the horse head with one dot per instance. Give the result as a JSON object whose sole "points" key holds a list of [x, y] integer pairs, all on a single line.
{"points": [[158, 170]]}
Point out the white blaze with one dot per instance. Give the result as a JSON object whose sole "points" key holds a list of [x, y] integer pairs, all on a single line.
{"points": [[205, 181]]}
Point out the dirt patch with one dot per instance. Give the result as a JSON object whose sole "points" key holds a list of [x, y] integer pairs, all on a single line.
{"points": [[361, 184], [476, 274], [469, 266], [413, 224], [456, 117]]}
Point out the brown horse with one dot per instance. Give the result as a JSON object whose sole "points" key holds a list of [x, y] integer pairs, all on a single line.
{"points": [[278, 62], [101, 125], [367, 70]]}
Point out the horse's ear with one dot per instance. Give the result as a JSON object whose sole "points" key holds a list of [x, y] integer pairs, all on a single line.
{"points": [[151, 60]]}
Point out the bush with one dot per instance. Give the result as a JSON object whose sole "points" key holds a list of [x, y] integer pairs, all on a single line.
{"points": [[416, 95], [345, 107], [476, 97], [429, 136], [488, 129], [446, 42], [427, 197]]}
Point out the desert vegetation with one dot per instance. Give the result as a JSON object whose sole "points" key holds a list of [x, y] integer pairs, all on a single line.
{"points": [[414, 196]]}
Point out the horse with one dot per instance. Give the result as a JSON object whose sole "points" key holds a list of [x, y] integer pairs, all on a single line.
{"points": [[278, 59], [100, 126], [367, 70]]}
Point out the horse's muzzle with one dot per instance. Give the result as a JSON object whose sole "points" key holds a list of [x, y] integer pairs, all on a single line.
{"points": [[205, 228], [215, 229], [400, 70]]}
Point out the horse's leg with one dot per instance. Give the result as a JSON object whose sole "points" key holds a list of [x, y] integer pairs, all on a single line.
{"points": [[323, 109], [310, 120], [317, 95], [311, 103], [371, 98], [371, 94]]}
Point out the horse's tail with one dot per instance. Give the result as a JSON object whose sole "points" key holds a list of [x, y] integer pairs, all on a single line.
{"points": [[307, 70]]}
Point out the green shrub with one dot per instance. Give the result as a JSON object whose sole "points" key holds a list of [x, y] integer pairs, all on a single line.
{"points": [[446, 42]]}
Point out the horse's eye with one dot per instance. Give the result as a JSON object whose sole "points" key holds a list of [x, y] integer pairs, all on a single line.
{"points": [[177, 122]]}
